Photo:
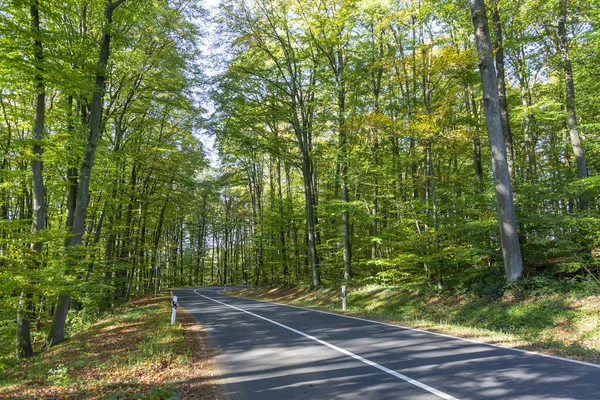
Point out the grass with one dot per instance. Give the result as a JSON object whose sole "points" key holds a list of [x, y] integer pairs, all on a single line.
{"points": [[554, 319], [133, 354]]}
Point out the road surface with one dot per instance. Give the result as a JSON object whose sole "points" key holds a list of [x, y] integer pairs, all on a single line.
{"points": [[274, 351]]}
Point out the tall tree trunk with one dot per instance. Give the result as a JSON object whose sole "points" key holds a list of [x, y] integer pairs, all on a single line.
{"points": [[212, 255], [511, 249], [435, 211], [284, 257], [39, 209], [310, 218], [255, 186], [57, 328], [471, 105], [134, 254], [226, 241], [72, 170], [528, 123], [338, 64], [4, 187], [24, 348], [501, 76], [376, 77], [570, 97], [96, 110]]}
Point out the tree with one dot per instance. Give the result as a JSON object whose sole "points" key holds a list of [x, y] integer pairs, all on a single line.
{"points": [[511, 249], [294, 75], [563, 47], [498, 51], [39, 209], [57, 329]]}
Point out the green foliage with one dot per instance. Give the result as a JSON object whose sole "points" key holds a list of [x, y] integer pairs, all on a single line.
{"points": [[396, 109], [148, 154], [160, 343], [59, 376], [381, 98]]}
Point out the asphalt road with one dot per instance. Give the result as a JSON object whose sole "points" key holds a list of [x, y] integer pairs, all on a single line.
{"points": [[273, 351]]}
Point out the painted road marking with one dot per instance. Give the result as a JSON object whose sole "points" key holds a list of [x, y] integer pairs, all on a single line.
{"points": [[528, 352], [343, 351]]}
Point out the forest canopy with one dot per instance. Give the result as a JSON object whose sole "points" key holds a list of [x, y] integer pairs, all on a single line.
{"points": [[433, 145]]}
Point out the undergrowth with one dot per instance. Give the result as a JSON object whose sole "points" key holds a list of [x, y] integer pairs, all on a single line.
{"points": [[132, 353]]}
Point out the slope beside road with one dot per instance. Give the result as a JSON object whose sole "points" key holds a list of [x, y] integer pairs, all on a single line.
{"points": [[273, 351]]}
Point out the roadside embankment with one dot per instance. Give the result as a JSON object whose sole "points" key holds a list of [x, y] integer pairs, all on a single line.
{"points": [[565, 324]]}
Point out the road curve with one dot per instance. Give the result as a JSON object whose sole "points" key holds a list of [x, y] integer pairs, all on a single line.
{"points": [[274, 351]]}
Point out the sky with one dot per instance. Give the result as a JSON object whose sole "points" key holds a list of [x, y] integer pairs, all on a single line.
{"points": [[207, 140]]}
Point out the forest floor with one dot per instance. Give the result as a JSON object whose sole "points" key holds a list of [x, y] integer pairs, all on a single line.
{"points": [[556, 323], [133, 354]]}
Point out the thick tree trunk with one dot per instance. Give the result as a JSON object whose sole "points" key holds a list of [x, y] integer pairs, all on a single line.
{"points": [[96, 110], [57, 328], [511, 249], [501, 76], [58, 321]]}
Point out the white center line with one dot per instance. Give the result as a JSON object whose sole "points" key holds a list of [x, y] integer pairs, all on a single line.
{"points": [[343, 351]]}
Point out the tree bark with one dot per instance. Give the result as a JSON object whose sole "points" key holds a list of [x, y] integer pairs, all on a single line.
{"points": [[284, 256], [570, 97], [39, 209], [511, 249], [24, 349], [71, 172], [310, 218], [471, 106], [501, 76], [57, 328], [343, 145], [96, 110]]}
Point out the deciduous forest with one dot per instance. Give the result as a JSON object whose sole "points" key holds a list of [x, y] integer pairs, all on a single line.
{"points": [[436, 146]]}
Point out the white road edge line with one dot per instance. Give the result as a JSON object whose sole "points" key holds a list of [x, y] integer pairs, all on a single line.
{"points": [[343, 351], [533, 353]]}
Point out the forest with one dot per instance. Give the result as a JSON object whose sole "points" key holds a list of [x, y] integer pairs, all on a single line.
{"points": [[440, 146]]}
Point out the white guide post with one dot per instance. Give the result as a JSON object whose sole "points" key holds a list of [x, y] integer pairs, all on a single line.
{"points": [[174, 308], [343, 298]]}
